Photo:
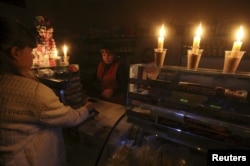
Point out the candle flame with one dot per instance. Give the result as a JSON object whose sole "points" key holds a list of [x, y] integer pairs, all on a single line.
{"points": [[162, 31], [65, 49], [239, 34], [199, 31]]}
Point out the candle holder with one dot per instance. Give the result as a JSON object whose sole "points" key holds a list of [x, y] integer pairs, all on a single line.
{"points": [[232, 60], [193, 58], [160, 56]]}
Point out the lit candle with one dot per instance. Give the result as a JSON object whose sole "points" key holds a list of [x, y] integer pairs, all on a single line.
{"points": [[65, 50], [237, 44], [197, 38], [161, 38]]}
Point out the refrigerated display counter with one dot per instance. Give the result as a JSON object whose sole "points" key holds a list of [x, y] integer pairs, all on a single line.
{"points": [[174, 116]]}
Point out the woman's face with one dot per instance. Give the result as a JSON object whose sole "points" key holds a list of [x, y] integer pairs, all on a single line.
{"points": [[24, 58], [107, 56]]}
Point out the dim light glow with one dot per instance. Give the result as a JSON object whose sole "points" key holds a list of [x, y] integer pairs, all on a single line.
{"points": [[238, 43], [161, 38], [197, 37], [199, 31], [65, 50], [162, 31], [239, 34]]}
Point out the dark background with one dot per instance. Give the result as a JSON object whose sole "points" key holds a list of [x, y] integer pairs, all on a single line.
{"points": [[77, 20], [76, 15]]}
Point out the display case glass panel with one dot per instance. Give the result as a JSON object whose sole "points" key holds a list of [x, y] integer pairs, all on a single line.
{"points": [[177, 115]]}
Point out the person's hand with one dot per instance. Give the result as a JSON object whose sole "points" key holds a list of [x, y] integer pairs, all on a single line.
{"points": [[89, 106], [107, 93]]}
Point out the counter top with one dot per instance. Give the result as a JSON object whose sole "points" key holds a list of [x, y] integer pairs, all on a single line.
{"points": [[85, 142], [109, 113]]}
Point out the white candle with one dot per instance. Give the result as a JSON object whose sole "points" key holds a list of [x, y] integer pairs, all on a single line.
{"points": [[161, 38], [197, 38], [237, 44]]}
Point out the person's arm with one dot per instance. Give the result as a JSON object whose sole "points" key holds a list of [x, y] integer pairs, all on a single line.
{"points": [[54, 113]]}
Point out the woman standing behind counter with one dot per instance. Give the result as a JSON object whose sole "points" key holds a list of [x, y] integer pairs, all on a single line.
{"points": [[31, 115]]}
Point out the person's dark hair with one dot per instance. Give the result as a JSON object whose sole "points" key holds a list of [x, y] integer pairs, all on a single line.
{"points": [[108, 46], [13, 33]]}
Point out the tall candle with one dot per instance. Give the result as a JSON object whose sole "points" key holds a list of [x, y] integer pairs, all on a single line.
{"points": [[161, 38], [237, 44], [197, 38]]}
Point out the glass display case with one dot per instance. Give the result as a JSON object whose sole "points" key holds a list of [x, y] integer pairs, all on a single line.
{"points": [[174, 116]]}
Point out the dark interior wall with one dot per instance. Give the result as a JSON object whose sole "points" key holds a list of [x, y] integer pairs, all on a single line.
{"points": [[74, 16], [77, 14], [150, 13]]}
